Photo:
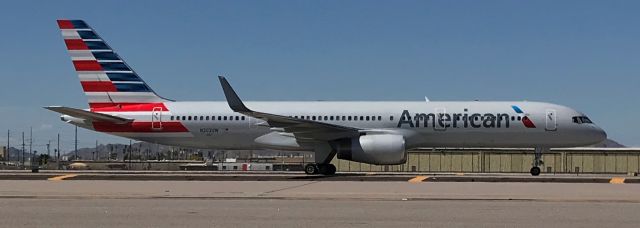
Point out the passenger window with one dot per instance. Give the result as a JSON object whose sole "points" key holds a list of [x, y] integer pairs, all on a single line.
{"points": [[184, 118], [201, 117], [237, 118], [242, 117], [219, 117], [325, 118], [213, 118], [171, 117], [313, 118], [379, 118], [513, 118], [331, 118], [189, 117], [225, 117], [391, 118], [519, 117], [349, 118], [207, 118], [344, 118], [367, 118]]}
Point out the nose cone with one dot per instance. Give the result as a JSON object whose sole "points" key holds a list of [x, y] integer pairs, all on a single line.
{"points": [[597, 135]]}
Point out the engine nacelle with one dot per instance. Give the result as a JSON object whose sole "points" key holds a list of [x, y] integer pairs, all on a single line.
{"points": [[373, 149]]}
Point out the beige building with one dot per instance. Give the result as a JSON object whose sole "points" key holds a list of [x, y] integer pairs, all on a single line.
{"points": [[3, 153], [570, 160]]}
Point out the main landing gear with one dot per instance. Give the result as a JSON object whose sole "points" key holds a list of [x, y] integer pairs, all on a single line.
{"points": [[537, 161], [315, 168]]}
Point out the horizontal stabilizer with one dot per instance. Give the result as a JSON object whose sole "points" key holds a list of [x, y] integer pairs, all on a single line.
{"points": [[88, 115]]}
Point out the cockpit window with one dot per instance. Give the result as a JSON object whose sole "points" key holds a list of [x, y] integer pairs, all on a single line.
{"points": [[581, 119]]}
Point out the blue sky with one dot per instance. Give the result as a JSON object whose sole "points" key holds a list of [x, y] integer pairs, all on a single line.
{"points": [[583, 54]]}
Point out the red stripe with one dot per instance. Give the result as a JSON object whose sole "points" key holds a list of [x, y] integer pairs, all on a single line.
{"points": [[87, 65], [93, 86], [527, 122], [127, 107], [139, 127], [65, 24], [76, 44]]}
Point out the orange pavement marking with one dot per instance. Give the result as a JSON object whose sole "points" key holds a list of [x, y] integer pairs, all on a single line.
{"points": [[418, 179], [617, 180], [59, 178]]}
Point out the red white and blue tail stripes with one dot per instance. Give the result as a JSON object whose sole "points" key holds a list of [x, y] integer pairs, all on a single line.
{"points": [[114, 88], [106, 79]]}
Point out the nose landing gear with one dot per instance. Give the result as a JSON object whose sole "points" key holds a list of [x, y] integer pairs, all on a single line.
{"points": [[537, 161]]}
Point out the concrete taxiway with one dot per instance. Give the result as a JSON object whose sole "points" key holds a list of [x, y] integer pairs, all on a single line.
{"points": [[66, 200]]}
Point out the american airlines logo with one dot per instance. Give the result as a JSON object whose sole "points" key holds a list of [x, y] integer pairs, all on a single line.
{"points": [[463, 120]]}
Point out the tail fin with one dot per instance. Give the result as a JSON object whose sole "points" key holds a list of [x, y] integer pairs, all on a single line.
{"points": [[106, 79]]}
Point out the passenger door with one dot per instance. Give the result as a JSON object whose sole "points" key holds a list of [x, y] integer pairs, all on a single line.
{"points": [[156, 119], [551, 123]]}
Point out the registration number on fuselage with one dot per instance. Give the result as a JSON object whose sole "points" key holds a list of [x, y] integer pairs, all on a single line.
{"points": [[209, 131]]}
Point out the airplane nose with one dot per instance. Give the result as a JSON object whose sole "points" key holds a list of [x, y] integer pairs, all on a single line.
{"points": [[598, 134]]}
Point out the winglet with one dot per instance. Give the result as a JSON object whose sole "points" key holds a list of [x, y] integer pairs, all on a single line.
{"points": [[232, 98]]}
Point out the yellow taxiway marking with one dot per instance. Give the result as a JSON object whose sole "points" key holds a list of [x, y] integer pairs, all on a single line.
{"points": [[617, 180], [59, 178], [418, 179]]}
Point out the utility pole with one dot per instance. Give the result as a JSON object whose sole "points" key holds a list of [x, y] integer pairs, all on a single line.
{"points": [[31, 146], [130, 153], [96, 152], [30, 141], [48, 152], [22, 157], [8, 155], [58, 153], [76, 146]]}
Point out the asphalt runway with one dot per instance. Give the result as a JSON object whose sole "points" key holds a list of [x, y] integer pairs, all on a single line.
{"points": [[307, 203]]}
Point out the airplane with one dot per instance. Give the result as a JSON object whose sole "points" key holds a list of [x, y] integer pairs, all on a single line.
{"points": [[373, 132]]}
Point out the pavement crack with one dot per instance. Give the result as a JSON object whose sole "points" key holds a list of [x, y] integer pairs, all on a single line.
{"points": [[286, 188]]}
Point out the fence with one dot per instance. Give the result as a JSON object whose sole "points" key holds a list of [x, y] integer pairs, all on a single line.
{"points": [[582, 160]]}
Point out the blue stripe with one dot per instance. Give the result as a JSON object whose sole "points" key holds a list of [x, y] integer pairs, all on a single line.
{"points": [[88, 35], [128, 87], [105, 56], [126, 77], [79, 24], [96, 45], [114, 67], [516, 108]]}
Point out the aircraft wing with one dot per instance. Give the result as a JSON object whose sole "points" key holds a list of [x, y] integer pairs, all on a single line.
{"points": [[300, 128], [88, 115]]}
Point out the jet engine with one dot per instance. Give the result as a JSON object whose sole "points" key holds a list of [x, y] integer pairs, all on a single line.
{"points": [[373, 149]]}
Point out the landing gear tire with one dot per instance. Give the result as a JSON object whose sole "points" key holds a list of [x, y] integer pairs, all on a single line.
{"points": [[535, 171], [328, 169], [325, 169], [311, 169]]}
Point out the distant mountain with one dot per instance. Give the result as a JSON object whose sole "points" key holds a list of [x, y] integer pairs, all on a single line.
{"points": [[608, 143], [15, 154]]}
